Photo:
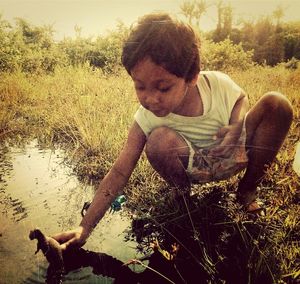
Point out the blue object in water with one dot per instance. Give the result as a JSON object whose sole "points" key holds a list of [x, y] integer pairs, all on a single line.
{"points": [[117, 203]]}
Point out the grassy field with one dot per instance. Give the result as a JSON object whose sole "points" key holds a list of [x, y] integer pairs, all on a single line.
{"points": [[89, 113]]}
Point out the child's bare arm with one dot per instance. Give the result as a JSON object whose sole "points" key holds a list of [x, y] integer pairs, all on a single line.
{"points": [[116, 178], [231, 133], [110, 186], [239, 110]]}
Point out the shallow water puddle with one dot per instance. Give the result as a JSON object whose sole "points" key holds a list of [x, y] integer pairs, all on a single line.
{"points": [[38, 190]]}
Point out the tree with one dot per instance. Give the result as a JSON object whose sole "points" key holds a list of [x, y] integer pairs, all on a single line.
{"points": [[224, 25], [248, 35], [291, 34], [187, 9], [227, 22], [278, 13], [193, 10], [201, 8]]}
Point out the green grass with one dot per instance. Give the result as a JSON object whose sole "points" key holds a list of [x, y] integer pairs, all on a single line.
{"points": [[89, 113]]}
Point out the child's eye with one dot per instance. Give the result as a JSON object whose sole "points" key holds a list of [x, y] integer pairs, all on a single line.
{"points": [[164, 90], [139, 88]]}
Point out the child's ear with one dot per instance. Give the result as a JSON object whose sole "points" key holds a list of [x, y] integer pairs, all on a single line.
{"points": [[194, 81]]}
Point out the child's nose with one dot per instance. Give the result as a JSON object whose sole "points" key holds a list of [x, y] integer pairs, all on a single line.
{"points": [[152, 98]]}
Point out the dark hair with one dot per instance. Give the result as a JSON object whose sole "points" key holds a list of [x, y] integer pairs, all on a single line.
{"points": [[168, 42]]}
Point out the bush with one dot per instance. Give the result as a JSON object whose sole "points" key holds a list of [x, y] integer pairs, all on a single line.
{"points": [[225, 56], [28, 48], [104, 52]]}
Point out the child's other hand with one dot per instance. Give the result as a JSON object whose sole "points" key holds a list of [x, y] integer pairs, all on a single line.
{"points": [[228, 137], [73, 238]]}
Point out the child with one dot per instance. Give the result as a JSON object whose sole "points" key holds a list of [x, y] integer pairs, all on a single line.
{"points": [[195, 127]]}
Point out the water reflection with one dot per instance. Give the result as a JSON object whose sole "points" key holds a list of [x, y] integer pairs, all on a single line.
{"points": [[38, 190]]}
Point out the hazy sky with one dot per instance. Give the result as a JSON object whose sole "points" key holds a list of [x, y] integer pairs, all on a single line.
{"points": [[97, 16]]}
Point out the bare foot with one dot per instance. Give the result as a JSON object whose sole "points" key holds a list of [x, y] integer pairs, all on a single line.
{"points": [[256, 208], [246, 198], [250, 203]]}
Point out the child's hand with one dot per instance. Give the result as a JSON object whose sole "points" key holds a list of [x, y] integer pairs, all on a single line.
{"points": [[228, 137], [72, 238]]}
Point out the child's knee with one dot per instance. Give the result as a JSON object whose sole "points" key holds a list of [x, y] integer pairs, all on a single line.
{"points": [[164, 141], [278, 104]]}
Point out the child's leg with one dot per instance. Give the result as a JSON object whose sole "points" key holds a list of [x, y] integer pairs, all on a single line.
{"points": [[267, 125], [168, 154]]}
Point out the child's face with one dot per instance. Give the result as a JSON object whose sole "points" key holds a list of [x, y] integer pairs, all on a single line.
{"points": [[158, 90]]}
